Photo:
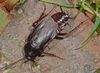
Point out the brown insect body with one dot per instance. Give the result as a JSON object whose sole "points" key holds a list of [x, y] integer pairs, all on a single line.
{"points": [[45, 29], [61, 18]]}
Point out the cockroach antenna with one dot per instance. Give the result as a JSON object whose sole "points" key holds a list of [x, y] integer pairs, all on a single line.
{"points": [[12, 63]]}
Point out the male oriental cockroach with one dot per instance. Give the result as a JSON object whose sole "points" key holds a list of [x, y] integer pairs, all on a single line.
{"points": [[46, 28]]}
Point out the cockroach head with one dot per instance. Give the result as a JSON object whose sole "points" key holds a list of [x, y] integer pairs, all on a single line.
{"points": [[31, 52]]}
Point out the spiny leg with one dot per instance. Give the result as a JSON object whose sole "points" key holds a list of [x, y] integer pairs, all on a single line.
{"points": [[67, 33], [34, 24], [63, 34], [77, 26], [52, 9], [53, 55], [43, 10], [43, 16], [61, 9]]}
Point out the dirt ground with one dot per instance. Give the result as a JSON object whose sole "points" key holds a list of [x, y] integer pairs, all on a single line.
{"points": [[12, 41]]}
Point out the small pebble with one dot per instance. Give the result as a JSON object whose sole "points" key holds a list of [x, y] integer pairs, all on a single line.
{"points": [[45, 67], [88, 68], [20, 11]]}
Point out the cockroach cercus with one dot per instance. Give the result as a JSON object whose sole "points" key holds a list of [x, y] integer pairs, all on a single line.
{"points": [[46, 28]]}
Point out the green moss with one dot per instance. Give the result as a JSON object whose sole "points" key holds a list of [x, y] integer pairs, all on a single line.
{"points": [[97, 71], [98, 30], [34, 64], [4, 20]]}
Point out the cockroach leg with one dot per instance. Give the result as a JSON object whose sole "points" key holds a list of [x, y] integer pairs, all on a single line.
{"points": [[61, 9], [53, 55], [34, 24], [59, 38], [52, 9], [77, 26], [43, 11], [67, 33], [41, 17], [63, 34]]}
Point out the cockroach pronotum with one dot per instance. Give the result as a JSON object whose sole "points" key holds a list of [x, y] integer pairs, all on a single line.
{"points": [[46, 28]]}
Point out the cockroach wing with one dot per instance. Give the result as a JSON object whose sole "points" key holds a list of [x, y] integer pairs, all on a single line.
{"points": [[44, 32]]}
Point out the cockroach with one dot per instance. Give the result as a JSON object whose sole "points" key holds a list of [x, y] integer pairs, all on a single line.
{"points": [[46, 28]]}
